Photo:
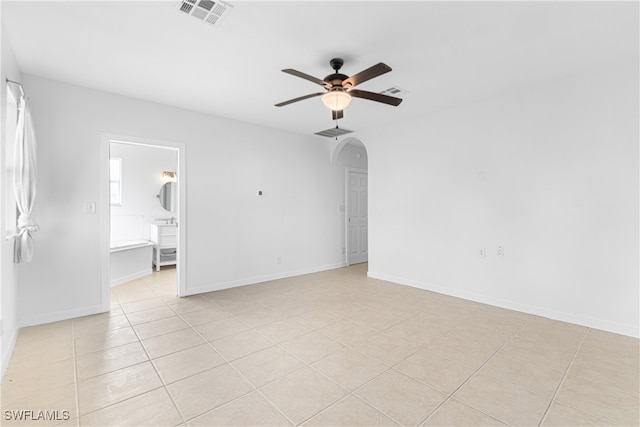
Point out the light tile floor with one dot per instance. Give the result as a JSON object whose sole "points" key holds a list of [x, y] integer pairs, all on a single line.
{"points": [[332, 348]]}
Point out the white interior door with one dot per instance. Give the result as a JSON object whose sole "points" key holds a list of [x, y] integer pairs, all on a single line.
{"points": [[357, 219]]}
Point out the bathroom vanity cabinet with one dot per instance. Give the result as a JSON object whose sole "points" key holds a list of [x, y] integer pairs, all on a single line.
{"points": [[165, 247]]}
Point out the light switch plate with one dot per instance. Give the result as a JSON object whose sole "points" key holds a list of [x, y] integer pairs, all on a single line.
{"points": [[90, 208]]}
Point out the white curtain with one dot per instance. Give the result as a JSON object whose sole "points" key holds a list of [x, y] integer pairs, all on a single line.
{"points": [[24, 182]]}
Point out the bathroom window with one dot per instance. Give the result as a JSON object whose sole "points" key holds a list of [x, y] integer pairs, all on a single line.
{"points": [[115, 181]]}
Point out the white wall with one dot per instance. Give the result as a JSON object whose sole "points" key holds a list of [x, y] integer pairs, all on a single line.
{"points": [[550, 172], [233, 236], [142, 168], [8, 270]]}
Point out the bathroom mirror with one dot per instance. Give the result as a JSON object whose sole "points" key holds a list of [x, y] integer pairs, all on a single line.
{"points": [[167, 196]]}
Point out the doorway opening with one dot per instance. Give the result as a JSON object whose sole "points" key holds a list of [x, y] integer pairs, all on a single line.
{"points": [[143, 206], [350, 157]]}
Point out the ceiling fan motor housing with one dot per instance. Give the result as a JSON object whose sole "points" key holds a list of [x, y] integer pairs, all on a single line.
{"points": [[336, 78]]}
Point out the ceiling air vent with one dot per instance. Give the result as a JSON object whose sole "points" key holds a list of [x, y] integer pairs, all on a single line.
{"points": [[208, 11], [395, 91], [333, 132]]}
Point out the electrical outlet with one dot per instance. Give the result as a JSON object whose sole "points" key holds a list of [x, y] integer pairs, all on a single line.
{"points": [[343, 251], [279, 260], [482, 253], [500, 251]]}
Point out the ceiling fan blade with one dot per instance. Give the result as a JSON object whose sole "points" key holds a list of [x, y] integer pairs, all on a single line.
{"points": [[307, 77], [385, 99], [368, 74], [335, 115], [291, 101]]}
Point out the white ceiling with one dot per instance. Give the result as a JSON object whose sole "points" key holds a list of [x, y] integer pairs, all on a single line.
{"points": [[443, 53]]}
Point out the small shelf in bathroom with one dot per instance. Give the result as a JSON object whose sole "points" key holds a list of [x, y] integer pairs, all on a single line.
{"points": [[165, 246]]}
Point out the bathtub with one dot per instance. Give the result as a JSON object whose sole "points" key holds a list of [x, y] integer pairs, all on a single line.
{"points": [[130, 260]]}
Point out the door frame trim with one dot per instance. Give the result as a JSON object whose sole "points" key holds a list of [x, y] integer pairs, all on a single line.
{"points": [[105, 210], [348, 170]]}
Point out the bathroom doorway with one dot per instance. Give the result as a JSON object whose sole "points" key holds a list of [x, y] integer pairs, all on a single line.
{"points": [[144, 207]]}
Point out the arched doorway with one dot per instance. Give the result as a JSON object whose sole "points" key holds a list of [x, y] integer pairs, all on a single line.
{"points": [[350, 159]]}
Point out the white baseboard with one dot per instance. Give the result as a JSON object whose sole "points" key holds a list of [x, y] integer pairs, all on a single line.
{"points": [[129, 277], [59, 315], [259, 279], [7, 352], [605, 325], [86, 311], [39, 320]]}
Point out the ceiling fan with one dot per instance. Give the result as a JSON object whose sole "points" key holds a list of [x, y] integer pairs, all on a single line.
{"points": [[340, 87]]}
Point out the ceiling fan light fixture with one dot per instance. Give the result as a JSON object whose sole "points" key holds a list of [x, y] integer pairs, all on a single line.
{"points": [[336, 100]]}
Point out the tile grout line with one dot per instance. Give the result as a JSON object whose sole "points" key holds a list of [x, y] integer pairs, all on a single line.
{"points": [[375, 408], [184, 419], [450, 396], [75, 371], [273, 405], [135, 364], [389, 368], [323, 410], [352, 392], [229, 362], [78, 327], [393, 367], [564, 376], [306, 365], [211, 346], [226, 361], [150, 360]]}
